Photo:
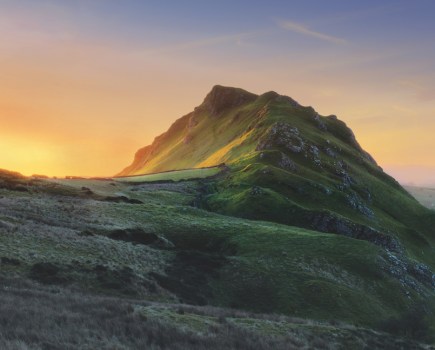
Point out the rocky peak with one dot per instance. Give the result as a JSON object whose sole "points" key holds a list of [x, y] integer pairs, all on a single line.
{"points": [[221, 98]]}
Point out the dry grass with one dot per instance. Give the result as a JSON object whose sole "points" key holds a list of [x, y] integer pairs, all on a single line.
{"points": [[39, 317], [34, 317]]}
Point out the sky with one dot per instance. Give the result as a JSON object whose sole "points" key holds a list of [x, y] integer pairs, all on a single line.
{"points": [[85, 83]]}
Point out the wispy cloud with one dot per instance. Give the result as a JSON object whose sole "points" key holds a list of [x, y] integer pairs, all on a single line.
{"points": [[422, 89], [231, 38], [304, 30]]}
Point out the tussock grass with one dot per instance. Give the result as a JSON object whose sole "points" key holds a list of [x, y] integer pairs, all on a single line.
{"points": [[37, 317]]}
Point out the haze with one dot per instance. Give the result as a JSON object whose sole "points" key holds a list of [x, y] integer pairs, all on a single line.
{"points": [[84, 84]]}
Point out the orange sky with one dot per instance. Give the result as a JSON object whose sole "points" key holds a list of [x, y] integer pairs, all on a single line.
{"points": [[75, 102]]}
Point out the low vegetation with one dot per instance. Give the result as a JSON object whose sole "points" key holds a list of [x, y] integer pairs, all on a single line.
{"points": [[64, 247], [178, 175], [299, 223], [38, 317]]}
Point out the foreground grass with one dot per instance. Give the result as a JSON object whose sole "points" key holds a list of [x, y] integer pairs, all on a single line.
{"points": [[164, 249], [39, 317]]}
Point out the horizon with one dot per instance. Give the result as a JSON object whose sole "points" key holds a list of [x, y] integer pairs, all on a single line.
{"points": [[86, 85]]}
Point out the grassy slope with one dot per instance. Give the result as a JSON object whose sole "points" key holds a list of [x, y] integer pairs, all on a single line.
{"points": [[331, 183], [176, 175], [227, 261], [291, 196], [45, 317], [198, 139], [233, 135], [212, 259]]}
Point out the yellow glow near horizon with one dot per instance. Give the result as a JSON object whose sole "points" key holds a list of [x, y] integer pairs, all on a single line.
{"points": [[27, 156], [83, 105]]}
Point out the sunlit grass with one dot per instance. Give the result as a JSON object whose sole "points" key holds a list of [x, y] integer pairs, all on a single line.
{"points": [[177, 175]]}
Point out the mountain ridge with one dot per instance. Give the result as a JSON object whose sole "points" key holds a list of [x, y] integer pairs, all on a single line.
{"points": [[220, 99], [289, 165], [301, 222]]}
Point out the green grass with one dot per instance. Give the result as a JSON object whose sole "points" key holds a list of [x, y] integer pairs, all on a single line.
{"points": [[213, 259], [177, 175], [293, 197], [246, 239]]}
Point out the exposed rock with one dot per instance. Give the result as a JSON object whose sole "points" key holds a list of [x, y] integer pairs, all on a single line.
{"points": [[256, 191], [314, 151], [314, 154], [285, 135], [221, 98], [321, 125], [423, 274], [410, 274], [357, 203], [341, 168], [330, 152], [327, 222], [286, 163]]}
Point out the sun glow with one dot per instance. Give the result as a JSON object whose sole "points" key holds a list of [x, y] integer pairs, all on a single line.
{"points": [[28, 157], [80, 94]]}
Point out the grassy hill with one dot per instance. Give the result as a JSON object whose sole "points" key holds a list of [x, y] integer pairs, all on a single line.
{"points": [[297, 221], [290, 165], [146, 248]]}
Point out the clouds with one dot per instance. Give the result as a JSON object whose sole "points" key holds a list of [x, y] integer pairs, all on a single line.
{"points": [[304, 30], [423, 89], [75, 74], [211, 41]]}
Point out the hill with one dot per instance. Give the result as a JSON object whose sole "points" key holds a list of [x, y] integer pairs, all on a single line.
{"points": [[290, 165], [84, 254], [299, 240]]}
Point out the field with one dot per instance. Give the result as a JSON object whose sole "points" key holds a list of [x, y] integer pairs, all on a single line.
{"points": [[142, 252], [38, 317], [176, 175]]}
